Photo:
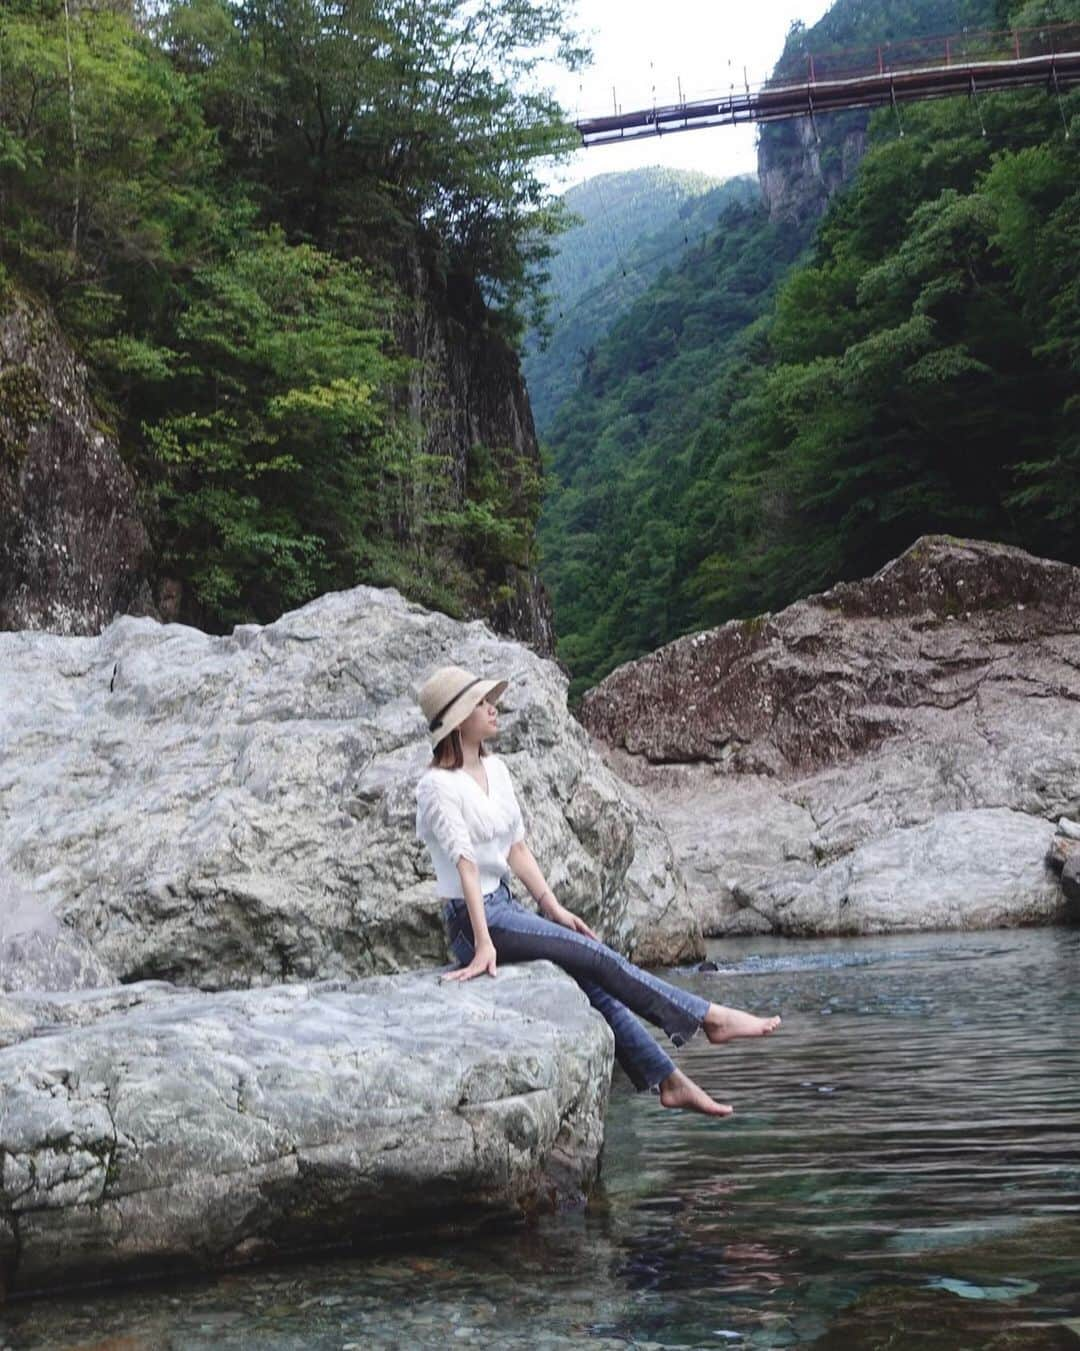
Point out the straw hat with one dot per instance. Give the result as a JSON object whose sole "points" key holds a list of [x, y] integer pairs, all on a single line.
{"points": [[449, 695]]}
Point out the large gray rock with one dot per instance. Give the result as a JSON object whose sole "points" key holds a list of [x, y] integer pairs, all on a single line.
{"points": [[146, 1129], [946, 684], [239, 810]]}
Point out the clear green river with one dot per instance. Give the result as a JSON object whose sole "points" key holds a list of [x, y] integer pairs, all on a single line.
{"points": [[902, 1170]]}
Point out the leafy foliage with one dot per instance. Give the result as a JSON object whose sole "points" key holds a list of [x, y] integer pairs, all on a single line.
{"points": [[631, 452], [282, 457], [363, 123], [233, 207]]}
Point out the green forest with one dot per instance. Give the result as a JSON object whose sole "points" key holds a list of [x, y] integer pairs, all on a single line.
{"points": [[233, 206], [792, 406], [624, 227], [236, 207]]}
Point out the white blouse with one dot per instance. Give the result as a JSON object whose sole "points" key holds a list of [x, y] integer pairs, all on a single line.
{"points": [[455, 818]]}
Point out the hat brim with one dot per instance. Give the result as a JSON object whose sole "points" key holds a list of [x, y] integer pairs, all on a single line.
{"points": [[486, 689]]}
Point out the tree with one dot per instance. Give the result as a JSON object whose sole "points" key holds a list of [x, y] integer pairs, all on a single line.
{"points": [[371, 125], [280, 463], [106, 167]]}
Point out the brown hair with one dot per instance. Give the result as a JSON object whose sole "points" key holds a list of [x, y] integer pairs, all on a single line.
{"points": [[448, 753]]}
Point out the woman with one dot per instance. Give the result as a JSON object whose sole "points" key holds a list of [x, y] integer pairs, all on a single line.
{"points": [[467, 814]]}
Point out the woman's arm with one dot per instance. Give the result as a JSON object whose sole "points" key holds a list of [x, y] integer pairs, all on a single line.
{"points": [[438, 808], [483, 947], [525, 866]]}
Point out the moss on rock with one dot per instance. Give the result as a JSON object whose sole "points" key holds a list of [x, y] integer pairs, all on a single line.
{"points": [[22, 404]]}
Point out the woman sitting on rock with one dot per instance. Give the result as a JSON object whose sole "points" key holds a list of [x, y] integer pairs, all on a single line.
{"points": [[468, 816]]}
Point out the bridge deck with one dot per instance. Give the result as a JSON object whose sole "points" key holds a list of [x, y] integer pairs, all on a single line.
{"points": [[1055, 69]]}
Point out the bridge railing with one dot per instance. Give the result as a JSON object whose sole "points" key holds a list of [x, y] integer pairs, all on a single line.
{"points": [[805, 82], [924, 53]]}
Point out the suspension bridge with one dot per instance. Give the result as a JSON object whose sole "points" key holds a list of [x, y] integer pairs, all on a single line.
{"points": [[891, 73]]}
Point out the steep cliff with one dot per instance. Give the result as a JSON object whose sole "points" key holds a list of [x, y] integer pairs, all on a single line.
{"points": [[801, 167], [73, 548], [802, 164], [467, 394]]}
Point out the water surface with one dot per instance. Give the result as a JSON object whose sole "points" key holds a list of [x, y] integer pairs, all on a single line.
{"points": [[903, 1169]]}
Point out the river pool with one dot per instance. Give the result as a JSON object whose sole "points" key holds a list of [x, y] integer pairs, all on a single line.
{"points": [[903, 1169]]}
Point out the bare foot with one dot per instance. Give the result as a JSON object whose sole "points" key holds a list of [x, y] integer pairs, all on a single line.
{"points": [[678, 1090], [724, 1024]]}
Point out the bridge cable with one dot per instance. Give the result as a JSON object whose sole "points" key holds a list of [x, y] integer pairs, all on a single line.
{"points": [[813, 119], [1060, 103], [973, 95], [895, 106]]}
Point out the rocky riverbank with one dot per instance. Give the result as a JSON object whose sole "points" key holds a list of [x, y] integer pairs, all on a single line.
{"points": [[207, 859], [890, 755], [207, 856]]}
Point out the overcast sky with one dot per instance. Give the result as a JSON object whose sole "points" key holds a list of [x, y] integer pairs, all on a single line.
{"points": [[639, 44]]}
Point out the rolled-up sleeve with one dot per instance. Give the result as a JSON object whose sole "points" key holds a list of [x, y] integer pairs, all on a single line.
{"points": [[439, 816]]}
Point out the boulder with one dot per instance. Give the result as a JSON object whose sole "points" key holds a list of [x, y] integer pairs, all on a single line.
{"points": [[962, 870], [238, 810], [148, 1129], [772, 749]]}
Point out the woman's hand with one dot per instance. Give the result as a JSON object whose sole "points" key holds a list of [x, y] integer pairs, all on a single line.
{"points": [[483, 960], [568, 919]]}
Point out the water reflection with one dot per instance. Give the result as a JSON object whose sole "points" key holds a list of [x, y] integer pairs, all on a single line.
{"points": [[903, 1169]]}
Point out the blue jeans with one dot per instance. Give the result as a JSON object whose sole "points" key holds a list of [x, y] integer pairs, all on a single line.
{"points": [[613, 985]]}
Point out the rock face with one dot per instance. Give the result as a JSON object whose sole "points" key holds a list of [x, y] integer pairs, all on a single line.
{"points": [[73, 549], [466, 391], [800, 167], [39, 953], [793, 756], [147, 1129], [237, 811], [962, 870]]}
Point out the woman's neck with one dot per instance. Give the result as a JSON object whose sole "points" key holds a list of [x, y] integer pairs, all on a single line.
{"points": [[470, 756]]}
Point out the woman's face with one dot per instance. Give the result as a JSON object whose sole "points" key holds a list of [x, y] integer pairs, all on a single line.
{"points": [[482, 722]]}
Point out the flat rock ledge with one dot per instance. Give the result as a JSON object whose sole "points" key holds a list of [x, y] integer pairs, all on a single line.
{"points": [[148, 1129]]}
